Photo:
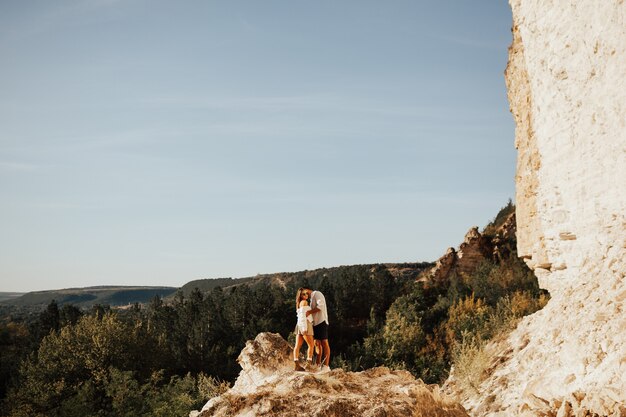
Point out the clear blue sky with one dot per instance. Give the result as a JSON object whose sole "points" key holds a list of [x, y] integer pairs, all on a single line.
{"points": [[157, 142]]}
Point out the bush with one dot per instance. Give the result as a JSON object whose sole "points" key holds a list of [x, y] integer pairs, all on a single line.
{"points": [[470, 363], [209, 387], [470, 358], [76, 363], [469, 315]]}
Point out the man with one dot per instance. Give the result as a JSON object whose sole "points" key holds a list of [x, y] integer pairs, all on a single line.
{"points": [[320, 328]]}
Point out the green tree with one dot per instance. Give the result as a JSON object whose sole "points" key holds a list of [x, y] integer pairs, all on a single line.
{"points": [[49, 320], [86, 352], [14, 343], [69, 314]]}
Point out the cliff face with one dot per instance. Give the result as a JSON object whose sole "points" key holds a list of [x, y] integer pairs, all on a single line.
{"points": [[566, 80], [567, 90]]}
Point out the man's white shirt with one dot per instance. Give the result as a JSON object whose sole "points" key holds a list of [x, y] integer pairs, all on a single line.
{"points": [[319, 301]]}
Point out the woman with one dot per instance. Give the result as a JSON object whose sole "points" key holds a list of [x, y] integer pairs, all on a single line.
{"points": [[304, 329]]}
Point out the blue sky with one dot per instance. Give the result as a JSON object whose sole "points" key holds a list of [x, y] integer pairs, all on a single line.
{"points": [[153, 142]]}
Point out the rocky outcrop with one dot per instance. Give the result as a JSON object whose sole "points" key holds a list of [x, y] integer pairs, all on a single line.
{"points": [[443, 269], [566, 81], [475, 249], [267, 386], [503, 242]]}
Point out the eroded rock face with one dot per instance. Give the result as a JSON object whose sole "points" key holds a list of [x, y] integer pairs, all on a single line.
{"points": [[267, 386], [567, 89], [474, 250]]}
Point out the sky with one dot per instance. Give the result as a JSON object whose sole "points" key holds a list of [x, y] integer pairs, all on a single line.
{"points": [[158, 142]]}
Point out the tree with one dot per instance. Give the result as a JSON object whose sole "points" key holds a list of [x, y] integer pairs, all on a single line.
{"points": [[14, 343], [49, 320], [80, 354], [69, 315]]}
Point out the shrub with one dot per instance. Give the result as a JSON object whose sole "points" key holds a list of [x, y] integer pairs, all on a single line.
{"points": [[469, 315], [209, 387], [470, 357], [470, 363]]}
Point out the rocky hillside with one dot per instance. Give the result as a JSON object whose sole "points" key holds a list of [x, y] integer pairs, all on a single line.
{"points": [[402, 272], [566, 81], [268, 386], [494, 244]]}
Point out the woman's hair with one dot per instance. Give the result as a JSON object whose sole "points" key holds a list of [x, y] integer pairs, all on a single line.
{"points": [[299, 296]]}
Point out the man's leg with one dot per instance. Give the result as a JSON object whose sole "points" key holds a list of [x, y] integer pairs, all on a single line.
{"points": [[318, 351], [326, 348]]}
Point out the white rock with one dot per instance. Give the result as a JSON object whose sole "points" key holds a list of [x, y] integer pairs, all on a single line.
{"points": [[567, 88], [267, 386]]}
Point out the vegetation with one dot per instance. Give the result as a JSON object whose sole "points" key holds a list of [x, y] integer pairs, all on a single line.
{"points": [[156, 359], [172, 355], [99, 366], [432, 326], [470, 357]]}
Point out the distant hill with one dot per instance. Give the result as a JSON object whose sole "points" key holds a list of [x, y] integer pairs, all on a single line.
{"points": [[401, 271], [86, 297], [209, 283], [118, 296], [9, 295]]}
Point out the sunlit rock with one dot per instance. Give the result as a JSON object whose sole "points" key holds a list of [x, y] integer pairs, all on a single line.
{"points": [[267, 386], [566, 80]]}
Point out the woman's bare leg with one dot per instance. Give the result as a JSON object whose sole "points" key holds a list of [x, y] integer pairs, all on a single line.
{"points": [[311, 346], [296, 349]]}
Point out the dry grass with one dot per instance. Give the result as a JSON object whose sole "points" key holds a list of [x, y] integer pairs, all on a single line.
{"points": [[472, 362], [210, 387]]}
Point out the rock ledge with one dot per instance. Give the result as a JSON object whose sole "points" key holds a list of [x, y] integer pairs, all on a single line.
{"points": [[267, 386]]}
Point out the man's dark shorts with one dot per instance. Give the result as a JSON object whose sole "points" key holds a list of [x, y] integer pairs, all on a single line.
{"points": [[320, 332]]}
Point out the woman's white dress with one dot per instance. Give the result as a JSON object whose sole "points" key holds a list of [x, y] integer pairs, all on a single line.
{"points": [[303, 320]]}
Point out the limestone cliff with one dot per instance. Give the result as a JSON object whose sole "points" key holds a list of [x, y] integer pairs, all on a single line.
{"points": [[267, 386], [566, 81]]}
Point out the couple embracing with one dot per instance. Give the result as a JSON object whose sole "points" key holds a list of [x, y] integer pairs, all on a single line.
{"points": [[312, 327]]}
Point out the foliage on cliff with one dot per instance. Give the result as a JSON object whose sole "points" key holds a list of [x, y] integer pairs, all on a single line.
{"points": [[437, 320]]}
